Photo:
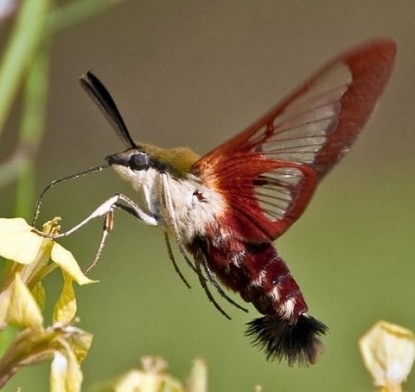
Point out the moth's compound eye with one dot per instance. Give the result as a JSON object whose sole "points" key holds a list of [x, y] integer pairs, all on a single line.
{"points": [[139, 161]]}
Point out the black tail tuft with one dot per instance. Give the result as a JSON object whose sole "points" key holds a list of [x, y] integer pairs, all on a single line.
{"points": [[298, 342]]}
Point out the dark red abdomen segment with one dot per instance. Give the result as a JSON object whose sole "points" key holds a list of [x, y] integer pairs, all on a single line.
{"points": [[272, 289], [261, 277]]}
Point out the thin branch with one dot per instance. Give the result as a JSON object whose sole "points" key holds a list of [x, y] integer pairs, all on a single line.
{"points": [[24, 40]]}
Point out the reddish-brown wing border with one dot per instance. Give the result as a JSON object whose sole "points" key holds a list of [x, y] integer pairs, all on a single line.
{"points": [[224, 167]]}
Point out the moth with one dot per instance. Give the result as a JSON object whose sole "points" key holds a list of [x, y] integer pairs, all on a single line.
{"points": [[225, 209]]}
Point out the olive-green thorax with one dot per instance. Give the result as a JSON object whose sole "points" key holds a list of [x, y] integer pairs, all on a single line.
{"points": [[177, 160]]}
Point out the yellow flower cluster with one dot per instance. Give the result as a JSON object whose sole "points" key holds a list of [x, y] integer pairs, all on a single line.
{"points": [[29, 258]]}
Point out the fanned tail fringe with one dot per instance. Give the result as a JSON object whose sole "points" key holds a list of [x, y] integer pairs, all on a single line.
{"points": [[297, 342]]}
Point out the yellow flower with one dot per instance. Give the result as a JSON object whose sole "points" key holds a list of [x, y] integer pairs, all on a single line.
{"points": [[153, 378], [21, 243], [388, 352], [30, 257]]}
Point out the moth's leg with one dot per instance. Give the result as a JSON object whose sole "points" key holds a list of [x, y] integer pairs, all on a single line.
{"points": [[108, 224], [212, 279], [171, 220], [133, 212], [107, 207], [205, 287], [173, 260]]}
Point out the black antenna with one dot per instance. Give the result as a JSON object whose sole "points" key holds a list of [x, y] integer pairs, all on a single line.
{"points": [[102, 98], [63, 179]]}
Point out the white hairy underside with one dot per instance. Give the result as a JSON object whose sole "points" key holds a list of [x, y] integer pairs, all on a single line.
{"points": [[188, 206], [184, 206]]}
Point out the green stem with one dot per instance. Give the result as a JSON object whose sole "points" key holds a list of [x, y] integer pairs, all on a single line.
{"points": [[31, 129], [33, 24], [19, 51], [76, 12]]}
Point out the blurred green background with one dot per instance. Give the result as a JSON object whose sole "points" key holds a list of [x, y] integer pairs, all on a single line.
{"points": [[194, 74]]}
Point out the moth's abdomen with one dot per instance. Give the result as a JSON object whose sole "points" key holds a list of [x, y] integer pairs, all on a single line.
{"points": [[261, 277], [272, 288], [298, 342], [286, 330]]}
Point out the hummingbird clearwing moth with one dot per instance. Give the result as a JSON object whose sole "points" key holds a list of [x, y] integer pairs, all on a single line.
{"points": [[225, 209]]}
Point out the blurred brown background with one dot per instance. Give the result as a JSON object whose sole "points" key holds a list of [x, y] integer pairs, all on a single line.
{"points": [[195, 73]]}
